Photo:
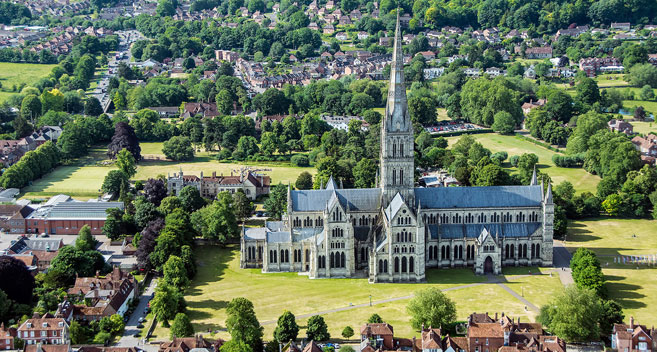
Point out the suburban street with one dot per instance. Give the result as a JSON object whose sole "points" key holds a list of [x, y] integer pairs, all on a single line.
{"points": [[128, 339]]}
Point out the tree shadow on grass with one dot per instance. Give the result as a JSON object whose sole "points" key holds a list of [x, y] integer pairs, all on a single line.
{"points": [[579, 233], [212, 262], [626, 294], [195, 308]]}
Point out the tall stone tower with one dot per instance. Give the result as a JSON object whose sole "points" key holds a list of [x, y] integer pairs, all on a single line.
{"points": [[397, 159]]}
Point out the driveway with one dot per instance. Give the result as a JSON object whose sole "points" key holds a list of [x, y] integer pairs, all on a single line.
{"points": [[128, 340]]}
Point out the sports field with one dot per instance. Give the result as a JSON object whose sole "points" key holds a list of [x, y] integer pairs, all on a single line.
{"points": [[220, 279], [581, 180], [14, 74]]}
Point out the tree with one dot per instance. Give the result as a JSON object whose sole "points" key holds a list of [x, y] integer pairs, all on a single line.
{"points": [[224, 101], [287, 328], [643, 74], [304, 181], [155, 191], [375, 319], [242, 323], [71, 261], [559, 106], [242, 205], [365, 173], [21, 127], [588, 91], [78, 333], [124, 138], [31, 107], [317, 329], [422, 109], [126, 163], [647, 93], [16, 280], [178, 148], [92, 107], [573, 315], [175, 273], [235, 346], [503, 123], [147, 243], [347, 332], [114, 182], [431, 307], [85, 241], [191, 199], [612, 313], [182, 326], [166, 8], [586, 270], [217, 221], [246, 146], [167, 302], [276, 203]]}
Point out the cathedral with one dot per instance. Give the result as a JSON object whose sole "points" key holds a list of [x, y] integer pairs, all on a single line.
{"points": [[394, 232]]}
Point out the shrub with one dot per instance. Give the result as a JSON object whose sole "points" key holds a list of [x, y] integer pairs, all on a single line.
{"points": [[300, 160]]}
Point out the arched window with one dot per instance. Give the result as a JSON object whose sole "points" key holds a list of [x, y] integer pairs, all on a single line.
{"points": [[430, 252], [442, 252], [538, 250], [332, 260], [397, 265], [343, 263], [394, 176], [401, 176], [411, 265], [401, 150], [513, 252], [380, 266], [435, 252], [404, 265], [394, 149], [385, 265]]}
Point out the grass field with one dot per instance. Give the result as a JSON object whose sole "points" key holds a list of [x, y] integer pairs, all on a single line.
{"points": [[644, 127], [84, 178], [220, 279], [635, 289], [649, 106], [14, 74], [581, 180]]}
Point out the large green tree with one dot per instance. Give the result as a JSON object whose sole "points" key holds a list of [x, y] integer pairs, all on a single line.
{"points": [[573, 315], [431, 307], [242, 323], [182, 326], [317, 329], [286, 328]]}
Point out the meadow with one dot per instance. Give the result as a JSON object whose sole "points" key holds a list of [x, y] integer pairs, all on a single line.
{"points": [[16, 74], [581, 180]]}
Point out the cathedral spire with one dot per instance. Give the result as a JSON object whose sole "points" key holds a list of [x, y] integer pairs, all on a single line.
{"points": [[397, 117]]}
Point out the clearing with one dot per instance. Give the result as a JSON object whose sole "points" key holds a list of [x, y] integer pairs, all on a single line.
{"points": [[16, 73]]}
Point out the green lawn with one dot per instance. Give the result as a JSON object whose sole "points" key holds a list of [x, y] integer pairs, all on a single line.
{"points": [[635, 288], [15, 74], [611, 80], [84, 178], [581, 180], [610, 237], [220, 279], [649, 106], [644, 127]]}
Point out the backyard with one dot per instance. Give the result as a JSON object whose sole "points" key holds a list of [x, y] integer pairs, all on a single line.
{"points": [[581, 180]]}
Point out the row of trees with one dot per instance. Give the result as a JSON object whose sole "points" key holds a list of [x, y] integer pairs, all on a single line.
{"points": [[31, 166]]}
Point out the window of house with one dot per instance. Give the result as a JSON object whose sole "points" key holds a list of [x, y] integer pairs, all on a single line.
{"points": [[43, 333]]}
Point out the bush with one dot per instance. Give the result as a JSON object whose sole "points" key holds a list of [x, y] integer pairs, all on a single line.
{"points": [[178, 148], [514, 160], [300, 160], [575, 160]]}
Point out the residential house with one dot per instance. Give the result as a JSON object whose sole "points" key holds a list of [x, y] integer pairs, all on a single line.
{"points": [[203, 109], [618, 125], [253, 185], [362, 35], [571, 32], [341, 36], [647, 146], [428, 55], [527, 107], [39, 347], [433, 72], [103, 296], [622, 26], [328, 29], [108, 349], [44, 250], [44, 329], [7, 336], [12, 217], [544, 52], [633, 337], [592, 65], [226, 55], [186, 344], [385, 41]]}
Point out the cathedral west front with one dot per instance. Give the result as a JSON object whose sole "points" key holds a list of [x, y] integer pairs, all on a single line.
{"points": [[394, 232]]}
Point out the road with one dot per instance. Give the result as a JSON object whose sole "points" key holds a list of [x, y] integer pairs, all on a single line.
{"points": [[128, 340]]}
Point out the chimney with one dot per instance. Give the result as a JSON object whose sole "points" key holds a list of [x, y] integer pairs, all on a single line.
{"points": [[631, 322], [214, 174], [97, 274], [495, 316]]}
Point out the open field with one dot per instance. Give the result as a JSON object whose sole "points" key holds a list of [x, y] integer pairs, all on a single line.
{"points": [[649, 106], [84, 178], [220, 279], [644, 127], [15, 74], [581, 180], [613, 237], [635, 289]]}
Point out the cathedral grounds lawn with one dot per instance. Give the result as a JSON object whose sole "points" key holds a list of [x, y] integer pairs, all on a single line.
{"points": [[220, 279], [635, 289], [581, 180], [83, 178]]}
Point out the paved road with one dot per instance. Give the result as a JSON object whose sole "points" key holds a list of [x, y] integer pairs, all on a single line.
{"points": [[561, 261], [128, 339]]}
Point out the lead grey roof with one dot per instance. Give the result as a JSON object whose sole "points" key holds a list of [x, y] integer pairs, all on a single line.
{"points": [[303, 233], [478, 197], [474, 230], [365, 199], [395, 204], [76, 210], [278, 237], [255, 233]]}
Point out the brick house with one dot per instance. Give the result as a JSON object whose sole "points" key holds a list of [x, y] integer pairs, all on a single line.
{"points": [[39, 347], [253, 185], [105, 296], [633, 337], [616, 125], [45, 329], [7, 336], [647, 146], [185, 344], [12, 217]]}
